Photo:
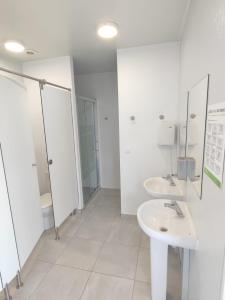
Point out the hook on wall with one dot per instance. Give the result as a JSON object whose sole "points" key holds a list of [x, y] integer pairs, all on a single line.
{"points": [[161, 117], [193, 116]]}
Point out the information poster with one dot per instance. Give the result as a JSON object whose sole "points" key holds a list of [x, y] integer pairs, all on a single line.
{"points": [[215, 143]]}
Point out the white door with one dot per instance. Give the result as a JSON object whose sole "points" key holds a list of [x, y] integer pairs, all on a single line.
{"points": [[58, 123], [18, 153], [9, 262]]}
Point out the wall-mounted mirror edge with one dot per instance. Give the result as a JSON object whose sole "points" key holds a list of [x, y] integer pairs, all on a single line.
{"points": [[197, 108]]}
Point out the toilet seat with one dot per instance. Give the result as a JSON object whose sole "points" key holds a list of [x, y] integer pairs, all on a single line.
{"points": [[46, 200]]}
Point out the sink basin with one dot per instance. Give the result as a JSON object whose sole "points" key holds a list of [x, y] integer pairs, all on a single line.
{"points": [[162, 223], [159, 187], [164, 228]]}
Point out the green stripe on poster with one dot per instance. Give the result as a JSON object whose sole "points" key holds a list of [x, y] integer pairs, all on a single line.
{"points": [[213, 177]]}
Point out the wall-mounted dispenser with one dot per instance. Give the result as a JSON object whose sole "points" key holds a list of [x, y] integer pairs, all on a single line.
{"points": [[167, 133], [186, 168], [192, 133]]}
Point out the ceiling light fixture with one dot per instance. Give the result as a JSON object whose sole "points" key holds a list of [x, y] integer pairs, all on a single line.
{"points": [[14, 46], [108, 30]]}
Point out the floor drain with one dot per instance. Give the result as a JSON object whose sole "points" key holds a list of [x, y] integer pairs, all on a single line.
{"points": [[163, 229]]}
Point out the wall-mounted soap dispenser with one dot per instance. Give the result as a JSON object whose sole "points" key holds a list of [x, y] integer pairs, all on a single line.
{"points": [[167, 133]]}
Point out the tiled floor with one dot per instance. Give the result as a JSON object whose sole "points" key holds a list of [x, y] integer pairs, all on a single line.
{"points": [[100, 256]]}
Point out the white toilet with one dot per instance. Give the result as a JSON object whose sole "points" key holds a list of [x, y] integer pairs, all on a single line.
{"points": [[47, 211]]}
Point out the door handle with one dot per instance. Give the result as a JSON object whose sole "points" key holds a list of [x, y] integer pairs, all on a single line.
{"points": [[50, 162], [34, 165]]}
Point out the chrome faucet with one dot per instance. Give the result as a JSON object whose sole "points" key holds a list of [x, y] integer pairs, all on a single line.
{"points": [[170, 179], [174, 205]]}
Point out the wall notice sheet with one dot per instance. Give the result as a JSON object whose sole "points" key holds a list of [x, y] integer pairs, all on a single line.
{"points": [[215, 143]]}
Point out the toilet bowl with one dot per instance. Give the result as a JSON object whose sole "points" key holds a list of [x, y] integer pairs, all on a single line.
{"points": [[47, 211]]}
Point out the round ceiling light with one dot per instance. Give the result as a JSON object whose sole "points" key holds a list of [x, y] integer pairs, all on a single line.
{"points": [[14, 46], [108, 30]]}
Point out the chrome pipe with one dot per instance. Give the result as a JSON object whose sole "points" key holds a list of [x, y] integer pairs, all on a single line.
{"points": [[7, 293], [19, 282], [57, 237], [41, 81]]}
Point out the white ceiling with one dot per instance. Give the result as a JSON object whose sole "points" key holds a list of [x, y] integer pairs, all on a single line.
{"points": [[68, 27]]}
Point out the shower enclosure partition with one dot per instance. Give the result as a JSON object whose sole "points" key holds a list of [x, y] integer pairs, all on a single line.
{"points": [[87, 116]]}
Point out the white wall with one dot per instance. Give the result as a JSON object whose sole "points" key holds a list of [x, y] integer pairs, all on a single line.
{"points": [[103, 87], [147, 87], [60, 71], [13, 66], [203, 51]]}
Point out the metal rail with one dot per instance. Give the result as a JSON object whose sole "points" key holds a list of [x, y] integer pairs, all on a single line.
{"points": [[41, 81]]}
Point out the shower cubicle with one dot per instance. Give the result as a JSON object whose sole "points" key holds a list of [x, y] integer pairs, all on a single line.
{"points": [[89, 145]]}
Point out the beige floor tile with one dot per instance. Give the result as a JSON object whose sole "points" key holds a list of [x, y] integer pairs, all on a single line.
{"points": [[141, 291], [32, 280], [104, 287], [50, 249], [80, 253], [117, 260], [109, 201], [125, 233], [145, 241], [104, 213], [70, 227], [110, 192], [97, 216], [54, 268], [88, 210], [131, 219], [94, 228], [143, 266], [62, 283]]}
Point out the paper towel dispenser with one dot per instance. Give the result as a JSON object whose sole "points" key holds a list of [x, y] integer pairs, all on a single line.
{"points": [[167, 133]]}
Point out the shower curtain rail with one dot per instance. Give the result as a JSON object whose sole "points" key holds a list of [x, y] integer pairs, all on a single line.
{"points": [[41, 81]]}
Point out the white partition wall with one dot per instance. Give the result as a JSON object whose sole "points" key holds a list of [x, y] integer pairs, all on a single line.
{"points": [[58, 124], [21, 174], [9, 262]]}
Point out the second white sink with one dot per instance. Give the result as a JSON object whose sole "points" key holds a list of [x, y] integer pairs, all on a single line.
{"points": [[159, 187]]}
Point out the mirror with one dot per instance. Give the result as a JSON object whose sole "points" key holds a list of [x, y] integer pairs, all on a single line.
{"points": [[196, 128]]}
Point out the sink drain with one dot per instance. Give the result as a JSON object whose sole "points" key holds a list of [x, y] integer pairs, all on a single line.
{"points": [[163, 229]]}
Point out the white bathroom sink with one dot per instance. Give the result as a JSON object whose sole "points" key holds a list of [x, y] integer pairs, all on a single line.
{"points": [[159, 187], [162, 223], [164, 227]]}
